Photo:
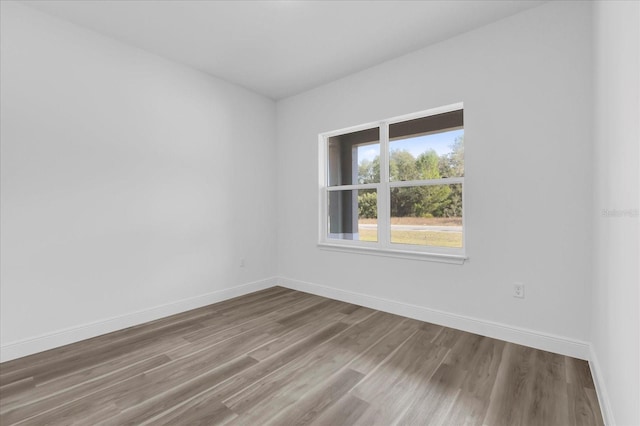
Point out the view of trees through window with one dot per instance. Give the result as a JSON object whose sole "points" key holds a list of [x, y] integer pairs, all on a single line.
{"points": [[415, 167], [421, 214]]}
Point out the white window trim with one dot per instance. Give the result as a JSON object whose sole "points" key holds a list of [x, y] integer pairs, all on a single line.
{"points": [[384, 247]]}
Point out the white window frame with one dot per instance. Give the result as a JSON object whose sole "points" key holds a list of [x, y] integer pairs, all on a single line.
{"points": [[383, 246]]}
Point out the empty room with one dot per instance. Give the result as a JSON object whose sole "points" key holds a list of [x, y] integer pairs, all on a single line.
{"points": [[319, 212]]}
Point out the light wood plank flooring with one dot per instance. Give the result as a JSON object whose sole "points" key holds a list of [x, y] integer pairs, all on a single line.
{"points": [[283, 357]]}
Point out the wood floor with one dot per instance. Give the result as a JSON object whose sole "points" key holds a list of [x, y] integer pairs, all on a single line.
{"points": [[283, 357]]}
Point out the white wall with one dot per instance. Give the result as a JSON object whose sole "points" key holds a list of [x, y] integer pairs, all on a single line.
{"points": [[129, 183], [526, 86], [615, 322]]}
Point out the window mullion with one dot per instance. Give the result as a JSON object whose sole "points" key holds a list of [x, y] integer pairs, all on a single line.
{"points": [[384, 221]]}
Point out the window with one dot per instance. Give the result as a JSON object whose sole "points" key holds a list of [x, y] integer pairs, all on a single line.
{"points": [[396, 187]]}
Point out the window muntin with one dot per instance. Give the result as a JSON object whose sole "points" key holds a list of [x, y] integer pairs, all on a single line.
{"points": [[409, 171]]}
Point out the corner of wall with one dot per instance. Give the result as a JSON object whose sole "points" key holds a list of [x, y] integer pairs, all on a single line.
{"points": [[601, 390]]}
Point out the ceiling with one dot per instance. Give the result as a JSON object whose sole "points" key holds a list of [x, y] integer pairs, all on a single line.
{"points": [[280, 48]]}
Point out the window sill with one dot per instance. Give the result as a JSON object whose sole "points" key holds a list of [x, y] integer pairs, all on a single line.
{"points": [[402, 254]]}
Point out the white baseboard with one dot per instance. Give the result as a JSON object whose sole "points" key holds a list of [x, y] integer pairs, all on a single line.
{"points": [[601, 390], [535, 339], [531, 338], [58, 338]]}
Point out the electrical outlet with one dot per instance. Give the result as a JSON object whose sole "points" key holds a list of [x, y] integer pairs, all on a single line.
{"points": [[518, 290]]}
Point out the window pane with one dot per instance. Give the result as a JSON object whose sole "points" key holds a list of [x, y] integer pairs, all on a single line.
{"points": [[354, 158], [427, 148], [353, 215], [427, 215]]}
